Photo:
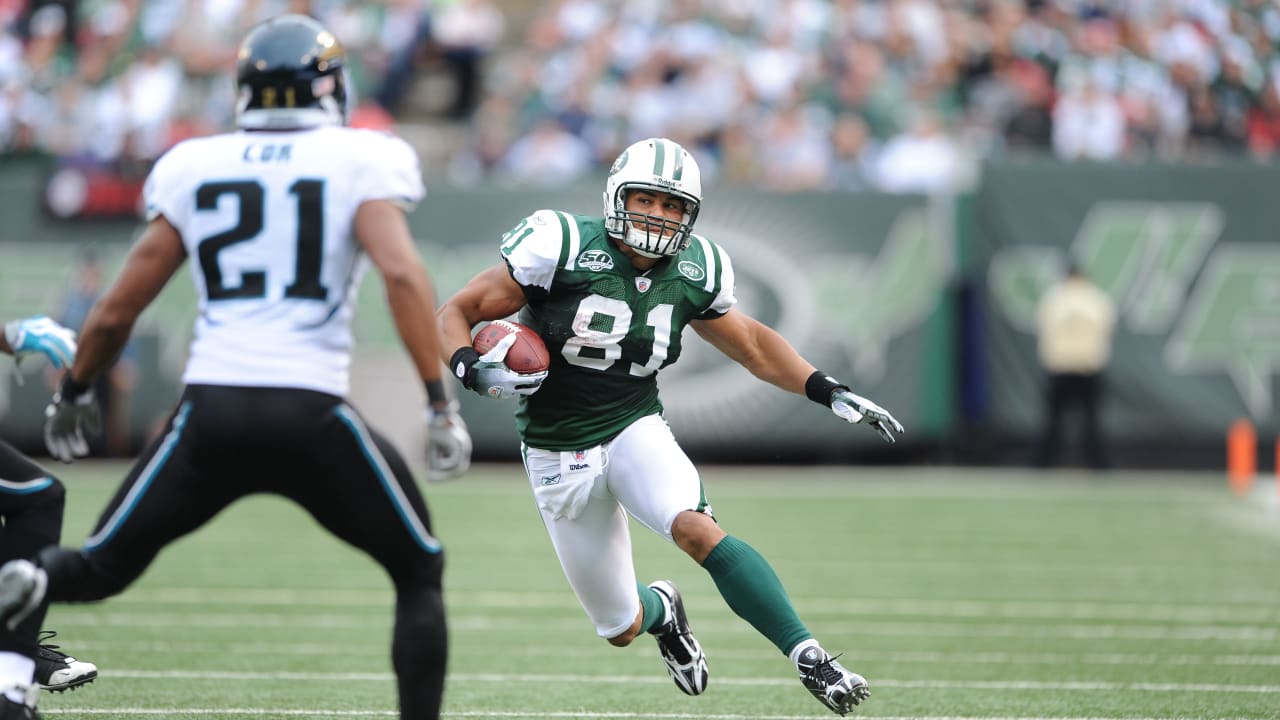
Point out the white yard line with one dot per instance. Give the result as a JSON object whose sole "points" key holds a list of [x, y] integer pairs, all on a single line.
{"points": [[923, 657], [507, 623], [267, 712], [661, 680], [465, 601]]}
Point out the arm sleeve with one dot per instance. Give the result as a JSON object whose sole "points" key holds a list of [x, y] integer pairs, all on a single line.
{"points": [[164, 193], [534, 249], [720, 270], [391, 173]]}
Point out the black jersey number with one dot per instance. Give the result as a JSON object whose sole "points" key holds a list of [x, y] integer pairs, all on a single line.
{"points": [[252, 200]]}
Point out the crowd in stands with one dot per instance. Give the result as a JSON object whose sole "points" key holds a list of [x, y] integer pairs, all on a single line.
{"points": [[900, 95], [108, 80]]}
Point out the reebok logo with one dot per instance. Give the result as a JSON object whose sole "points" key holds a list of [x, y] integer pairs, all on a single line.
{"points": [[551, 479]]}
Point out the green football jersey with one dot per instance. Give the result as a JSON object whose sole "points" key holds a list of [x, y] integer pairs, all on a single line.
{"points": [[609, 328]]}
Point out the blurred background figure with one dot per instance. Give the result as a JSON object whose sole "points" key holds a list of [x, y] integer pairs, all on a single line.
{"points": [[1075, 323], [467, 31], [115, 387]]}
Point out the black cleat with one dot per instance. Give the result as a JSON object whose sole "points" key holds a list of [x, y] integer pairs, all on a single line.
{"points": [[828, 680], [686, 663], [57, 671]]}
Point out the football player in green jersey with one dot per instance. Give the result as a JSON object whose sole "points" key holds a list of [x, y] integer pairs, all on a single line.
{"points": [[610, 297]]}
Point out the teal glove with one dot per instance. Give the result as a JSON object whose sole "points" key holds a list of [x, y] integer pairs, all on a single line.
{"points": [[41, 336]]}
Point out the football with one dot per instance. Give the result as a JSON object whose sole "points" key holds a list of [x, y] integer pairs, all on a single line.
{"points": [[528, 354]]}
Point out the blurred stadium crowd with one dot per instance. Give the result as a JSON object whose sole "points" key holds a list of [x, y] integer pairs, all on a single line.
{"points": [[898, 95]]}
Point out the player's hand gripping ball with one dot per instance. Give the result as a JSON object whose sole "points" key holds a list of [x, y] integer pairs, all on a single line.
{"points": [[513, 361], [527, 354]]}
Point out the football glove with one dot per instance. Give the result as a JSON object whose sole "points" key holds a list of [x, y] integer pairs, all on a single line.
{"points": [[448, 444], [491, 377], [41, 336], [855, 409], [73, 410]]}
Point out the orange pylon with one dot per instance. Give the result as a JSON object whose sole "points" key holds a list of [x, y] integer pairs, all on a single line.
{"points": [[1242, 456]]}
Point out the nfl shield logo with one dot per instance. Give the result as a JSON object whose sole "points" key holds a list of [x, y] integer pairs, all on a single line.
{"points": [[579, 455], [643, 283]]}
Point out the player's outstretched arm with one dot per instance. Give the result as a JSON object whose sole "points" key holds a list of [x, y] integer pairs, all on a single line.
{"points": [[383, 232], [153, 259], [770, 357]]}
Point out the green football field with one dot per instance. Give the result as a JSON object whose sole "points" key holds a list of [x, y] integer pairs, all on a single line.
{"points": [[958, 593]]}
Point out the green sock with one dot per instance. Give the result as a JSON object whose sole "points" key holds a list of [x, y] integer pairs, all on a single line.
{"points": [[654, 611], [754, 592]]}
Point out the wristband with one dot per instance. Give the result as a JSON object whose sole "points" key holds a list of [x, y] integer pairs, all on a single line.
{"points": [[461, 364], [436, 396], [70, 389], [820, 386]]}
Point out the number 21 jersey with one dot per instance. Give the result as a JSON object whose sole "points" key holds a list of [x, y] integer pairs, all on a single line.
{"points": [[266, 218]]}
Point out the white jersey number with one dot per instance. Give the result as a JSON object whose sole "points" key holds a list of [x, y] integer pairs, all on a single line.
{"points": [[251, 198], [604, 347]]}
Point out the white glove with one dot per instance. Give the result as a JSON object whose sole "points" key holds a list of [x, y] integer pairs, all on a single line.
{"points": [[72, 411], [41, 336], [448, 444], [490, 375], [855, 408]]}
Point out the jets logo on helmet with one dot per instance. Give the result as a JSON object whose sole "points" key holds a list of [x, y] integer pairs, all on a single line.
{"points": [[289, 71], [658, 165], [619, 163]]}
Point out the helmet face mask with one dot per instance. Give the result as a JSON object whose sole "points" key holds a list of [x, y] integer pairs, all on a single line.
{"points": [[289, 71], [661, 166]]}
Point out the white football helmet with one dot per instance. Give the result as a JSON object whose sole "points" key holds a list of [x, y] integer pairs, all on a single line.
{"points": [[655, 164]]}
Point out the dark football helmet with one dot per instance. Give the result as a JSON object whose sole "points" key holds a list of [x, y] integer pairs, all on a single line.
{"points": [[289, 71]]}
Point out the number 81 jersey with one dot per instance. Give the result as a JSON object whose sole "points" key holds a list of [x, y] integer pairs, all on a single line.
{"points": [[266, 218], [608, 327]]}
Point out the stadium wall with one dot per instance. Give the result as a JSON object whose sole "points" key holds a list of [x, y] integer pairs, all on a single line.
{"points": [[923, 304]]}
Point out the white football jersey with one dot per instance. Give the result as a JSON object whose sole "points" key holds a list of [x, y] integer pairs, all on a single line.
{"points": [[267, 219]]}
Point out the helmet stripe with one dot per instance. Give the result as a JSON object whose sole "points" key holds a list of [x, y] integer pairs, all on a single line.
{"points": [[679, 171], [659, 157]]}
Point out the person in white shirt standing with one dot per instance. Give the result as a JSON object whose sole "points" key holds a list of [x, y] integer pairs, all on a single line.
{"points": [[279, 220], [1076, 321]]}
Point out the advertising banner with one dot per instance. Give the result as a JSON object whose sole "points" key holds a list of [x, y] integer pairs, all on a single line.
{"points": [[857, 283], [1189, 256]]}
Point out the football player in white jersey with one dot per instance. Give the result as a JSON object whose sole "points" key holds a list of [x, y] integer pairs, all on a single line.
{"points": [[610, 296], [277, 220], [31, 507]]}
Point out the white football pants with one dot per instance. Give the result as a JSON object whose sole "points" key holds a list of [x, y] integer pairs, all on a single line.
{"points": [[644, 473]]}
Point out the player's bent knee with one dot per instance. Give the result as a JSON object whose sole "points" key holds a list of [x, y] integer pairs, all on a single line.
{"points": [[624, 639], [94, 579], [696, 533], [56, 492]]}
